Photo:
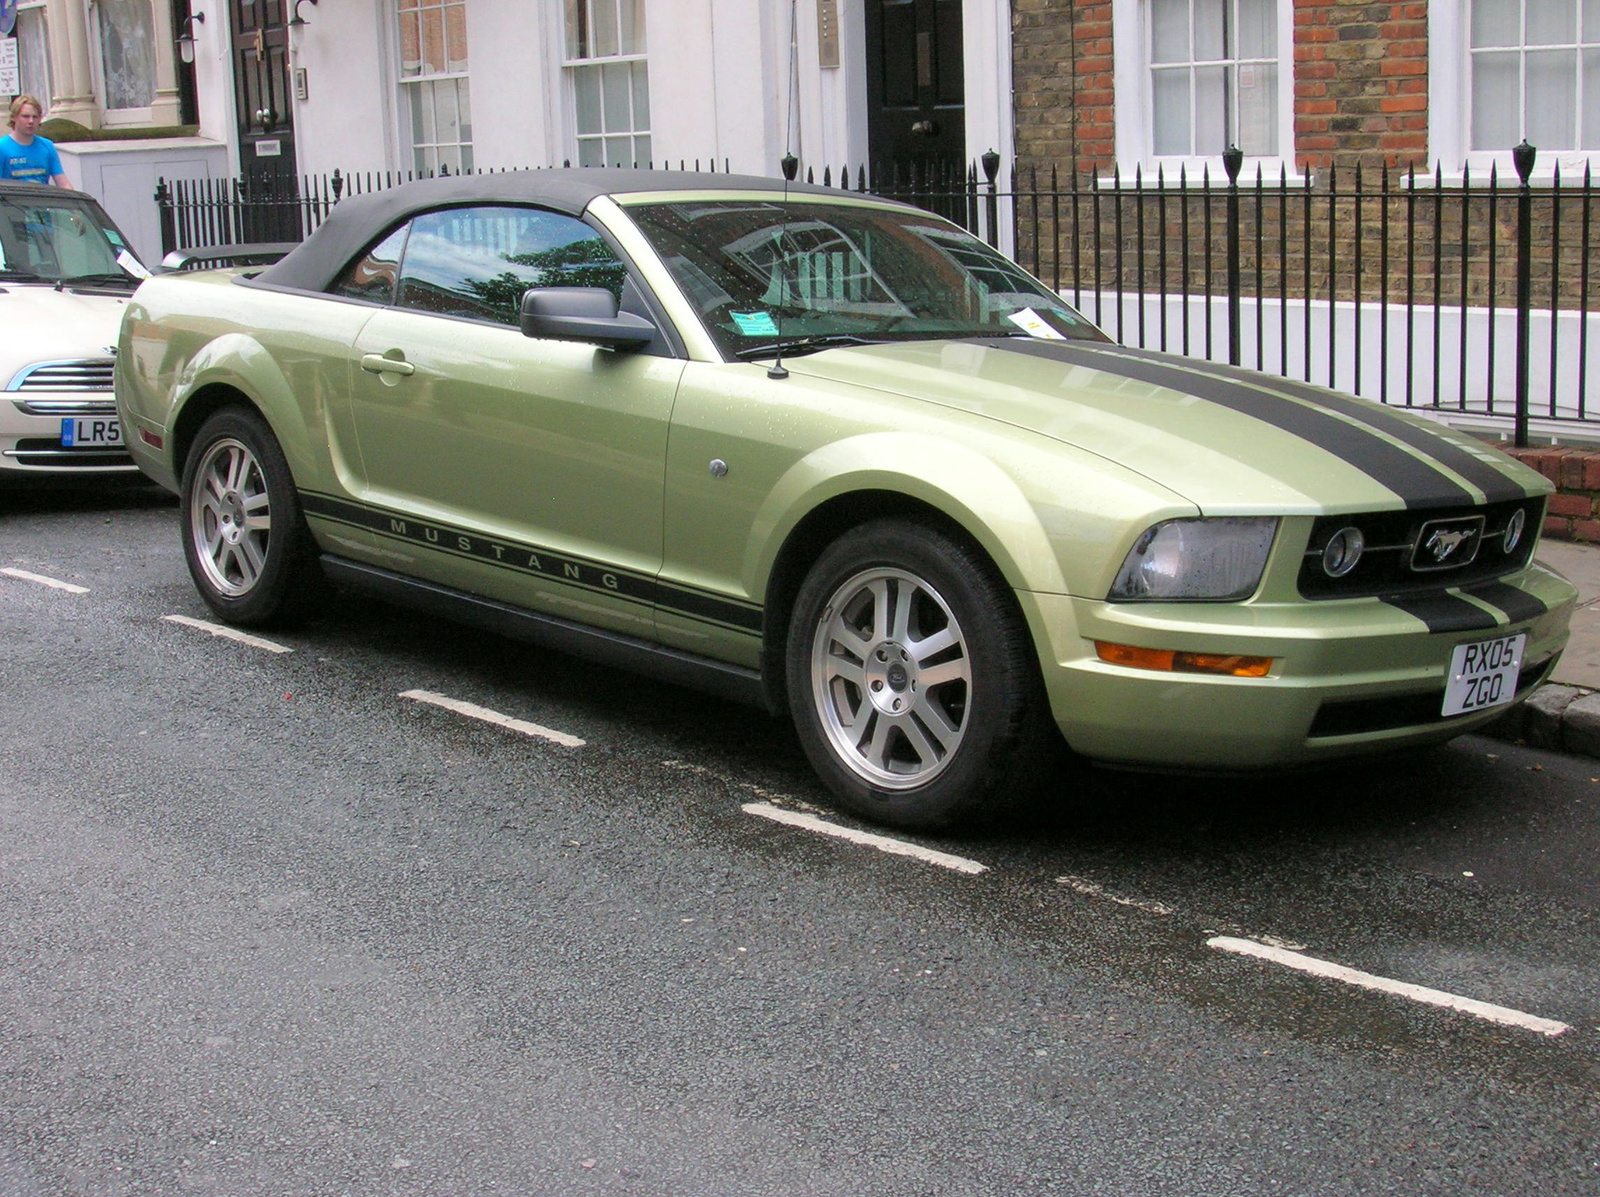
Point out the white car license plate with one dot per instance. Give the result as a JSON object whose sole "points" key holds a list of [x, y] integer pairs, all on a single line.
{"points": [[1484, 674], [77, 431]]}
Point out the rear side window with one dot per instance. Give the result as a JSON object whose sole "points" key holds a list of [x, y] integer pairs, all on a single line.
{"points": [[477, 262], [374, 275]]}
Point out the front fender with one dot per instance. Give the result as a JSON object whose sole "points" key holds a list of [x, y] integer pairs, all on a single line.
{"points": [[962, 483]]}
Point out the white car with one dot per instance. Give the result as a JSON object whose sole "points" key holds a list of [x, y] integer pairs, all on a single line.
{"points": [[66, 273]]}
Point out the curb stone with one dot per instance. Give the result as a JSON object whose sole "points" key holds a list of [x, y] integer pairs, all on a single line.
{"points": [[1556, 717]]}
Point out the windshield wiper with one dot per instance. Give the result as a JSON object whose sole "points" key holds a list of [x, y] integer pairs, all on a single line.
{"points": [[803, 345], [109, 278], [21, 276]]}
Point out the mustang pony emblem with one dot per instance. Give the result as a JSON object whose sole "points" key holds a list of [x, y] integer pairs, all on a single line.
{"points": [[1442, 544]]}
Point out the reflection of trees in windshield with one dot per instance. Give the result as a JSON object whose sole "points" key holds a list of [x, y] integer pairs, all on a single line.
{"points": [[478, 261], [823, 269], [581, 264]]}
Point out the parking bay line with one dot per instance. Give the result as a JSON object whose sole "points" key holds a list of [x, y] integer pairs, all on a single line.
{"points": [[1417, 993], [473, 711], [883, 843], [53, 583], [227, 633]]}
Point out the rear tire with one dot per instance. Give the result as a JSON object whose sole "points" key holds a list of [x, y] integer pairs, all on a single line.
{"points": [[244, 533], [912, 681]]}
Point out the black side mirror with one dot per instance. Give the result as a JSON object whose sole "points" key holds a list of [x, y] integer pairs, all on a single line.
{"points": [[582, 314]]}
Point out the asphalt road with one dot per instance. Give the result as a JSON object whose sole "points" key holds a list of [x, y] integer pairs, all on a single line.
{"points": [[268, 927]]}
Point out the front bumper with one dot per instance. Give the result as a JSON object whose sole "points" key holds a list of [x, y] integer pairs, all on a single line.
{"points": [[1348, 676], [31, 441]]}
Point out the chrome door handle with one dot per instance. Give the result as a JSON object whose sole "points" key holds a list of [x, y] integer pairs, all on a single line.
{"points": [[379, 364]]}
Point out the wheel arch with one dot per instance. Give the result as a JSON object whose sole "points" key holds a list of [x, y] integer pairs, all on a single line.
{"points": [[236, 370], [205, 402], [835, 514]]}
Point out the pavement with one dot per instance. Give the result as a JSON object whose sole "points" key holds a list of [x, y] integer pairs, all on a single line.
{"points": [[1564, 714]]}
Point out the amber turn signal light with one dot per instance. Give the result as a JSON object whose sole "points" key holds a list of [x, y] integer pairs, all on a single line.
{"points": [[1169, 661]]}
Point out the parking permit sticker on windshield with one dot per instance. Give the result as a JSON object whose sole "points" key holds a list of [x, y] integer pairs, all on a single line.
{"points": [[131, 264], [755, 324], [1035, 325]]}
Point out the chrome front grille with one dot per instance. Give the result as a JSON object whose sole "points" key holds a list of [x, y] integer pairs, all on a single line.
{"points": [[66, 407], [89, 374]]}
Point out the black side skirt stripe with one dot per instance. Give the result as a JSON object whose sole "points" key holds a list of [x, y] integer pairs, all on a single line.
{"points": [[531, 560], [1419, 483], [1494, 484], [1445, 612], [1517, 604]]}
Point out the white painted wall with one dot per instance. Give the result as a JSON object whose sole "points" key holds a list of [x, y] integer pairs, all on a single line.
{"points": [[123, 175], [720, 84], [347, 120], [514, 52]]}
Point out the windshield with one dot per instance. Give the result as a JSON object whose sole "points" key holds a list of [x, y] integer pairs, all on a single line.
{"points": [[808, 274], [63, 240]]}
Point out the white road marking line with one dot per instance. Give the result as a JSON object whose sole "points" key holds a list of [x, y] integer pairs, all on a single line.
{"points": [[883, 843], [1091, 889], [54, 583], [749, 787], [473, 711], [227, 633], [1417, 993]]}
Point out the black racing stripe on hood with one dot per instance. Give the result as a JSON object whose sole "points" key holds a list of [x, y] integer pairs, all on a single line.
{"points": [[1445, 612], [1493, 482], [1419, 483], [1517, 604]]}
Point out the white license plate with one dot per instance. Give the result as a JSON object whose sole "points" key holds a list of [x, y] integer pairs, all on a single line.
{"points": [[1484, 674], [78, 431]]}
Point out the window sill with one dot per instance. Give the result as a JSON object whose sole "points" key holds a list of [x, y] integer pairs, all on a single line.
{"points": [[1476, 176], [1202, 174]]}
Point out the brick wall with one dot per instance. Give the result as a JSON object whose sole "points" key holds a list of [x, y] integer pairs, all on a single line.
{"points": [[1360, 82], [1062, 87], [1574, 510]]}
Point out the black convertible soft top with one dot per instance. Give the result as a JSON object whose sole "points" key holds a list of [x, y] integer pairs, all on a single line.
{"points": [[355, 222]]}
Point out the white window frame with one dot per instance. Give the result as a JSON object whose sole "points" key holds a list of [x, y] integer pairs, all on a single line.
{"points": [[409, 88], [570, 68], [1450, 91], [40, 10], [117, 117], [1134, 106]]}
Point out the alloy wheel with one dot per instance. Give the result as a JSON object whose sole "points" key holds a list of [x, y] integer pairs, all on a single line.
{"points": [[891, 678], [230, 517]]}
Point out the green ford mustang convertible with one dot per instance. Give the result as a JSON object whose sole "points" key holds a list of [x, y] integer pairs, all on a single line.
{"points": [[829, 454]]}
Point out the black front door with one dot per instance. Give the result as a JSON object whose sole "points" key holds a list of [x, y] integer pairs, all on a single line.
{"points": [[266, 118], [915, 96]]}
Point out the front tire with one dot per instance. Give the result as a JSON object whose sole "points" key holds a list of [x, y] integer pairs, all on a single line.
{"points": [[912, 680], [244, 533]]}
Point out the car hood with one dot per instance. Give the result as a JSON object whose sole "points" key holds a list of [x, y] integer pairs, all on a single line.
{"points": [[1228, 440], [43, 325]]}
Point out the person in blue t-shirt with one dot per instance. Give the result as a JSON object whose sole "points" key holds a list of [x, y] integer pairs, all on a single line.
{"points": [[24, 154]]}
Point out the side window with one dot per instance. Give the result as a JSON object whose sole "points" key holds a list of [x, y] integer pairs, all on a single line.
{"points": [[374, 274], [477, 262]]}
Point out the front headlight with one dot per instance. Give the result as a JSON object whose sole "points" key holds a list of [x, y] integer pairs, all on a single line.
{"points": [[1197, 559]]}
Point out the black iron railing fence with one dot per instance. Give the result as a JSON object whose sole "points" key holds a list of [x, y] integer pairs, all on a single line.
{"points": [[1469, 295]]}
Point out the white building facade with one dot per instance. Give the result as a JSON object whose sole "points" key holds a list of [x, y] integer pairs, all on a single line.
{"points": [[408, 85]]}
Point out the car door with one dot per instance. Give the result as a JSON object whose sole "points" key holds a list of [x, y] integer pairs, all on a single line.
{"points": [[522, 469]]}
